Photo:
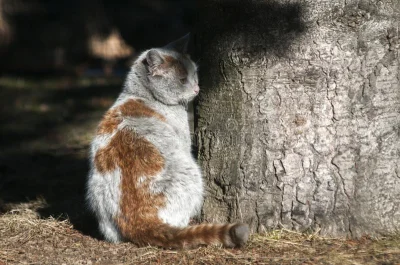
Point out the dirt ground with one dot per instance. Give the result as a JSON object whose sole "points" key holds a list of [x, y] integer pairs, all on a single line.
{"points": [[46, 127]]}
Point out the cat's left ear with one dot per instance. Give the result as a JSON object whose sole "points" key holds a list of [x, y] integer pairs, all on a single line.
{"points": [[180, 45], [154, 60]]}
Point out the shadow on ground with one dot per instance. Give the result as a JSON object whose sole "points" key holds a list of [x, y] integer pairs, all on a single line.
{"points": [[47, 125]]}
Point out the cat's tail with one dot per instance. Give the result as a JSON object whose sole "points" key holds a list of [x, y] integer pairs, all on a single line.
{"points": [[229, 235]]}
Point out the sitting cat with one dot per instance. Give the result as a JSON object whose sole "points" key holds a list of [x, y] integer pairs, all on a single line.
{"points": [[144, 185]]}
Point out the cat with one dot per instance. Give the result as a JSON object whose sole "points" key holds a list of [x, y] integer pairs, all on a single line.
{"points": [[144, 185]]}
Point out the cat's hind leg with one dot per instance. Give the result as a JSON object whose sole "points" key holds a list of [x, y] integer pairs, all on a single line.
{"points": [[109, 231], [103, 199], [182, 186]]}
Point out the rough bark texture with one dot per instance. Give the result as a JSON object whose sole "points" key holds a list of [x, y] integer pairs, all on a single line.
{"points": [[298, 121]]}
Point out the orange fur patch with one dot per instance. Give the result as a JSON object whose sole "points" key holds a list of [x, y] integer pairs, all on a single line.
{"points": [[110, 122], [137, 108], [132, 108]]}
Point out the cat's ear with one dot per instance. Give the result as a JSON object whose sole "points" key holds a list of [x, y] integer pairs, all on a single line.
{"points": [[154, 60], [180, 45]]}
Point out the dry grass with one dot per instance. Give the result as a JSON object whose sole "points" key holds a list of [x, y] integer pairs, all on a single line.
{"points": [[27, 239]]}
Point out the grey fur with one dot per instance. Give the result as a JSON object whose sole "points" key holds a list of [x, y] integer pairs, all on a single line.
{"points": [[180, 181]]}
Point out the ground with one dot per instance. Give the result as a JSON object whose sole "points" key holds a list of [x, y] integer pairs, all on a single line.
{"points": [[47, 125]]}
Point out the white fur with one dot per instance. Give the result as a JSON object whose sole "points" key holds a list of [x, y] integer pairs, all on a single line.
{"points": [[185, 192], [103, 195]]}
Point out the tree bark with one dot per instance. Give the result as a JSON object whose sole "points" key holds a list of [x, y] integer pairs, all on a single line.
{"points": [[298, 120]]}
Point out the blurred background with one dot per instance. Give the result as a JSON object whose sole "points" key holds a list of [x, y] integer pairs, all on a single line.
{"points": [[62, 64], [77, 36]]}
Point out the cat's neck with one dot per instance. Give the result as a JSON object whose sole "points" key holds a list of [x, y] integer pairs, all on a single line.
{"points": [[136, 85]]}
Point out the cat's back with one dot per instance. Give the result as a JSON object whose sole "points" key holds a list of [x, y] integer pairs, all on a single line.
{"points": [[125, 150], [163, 127]]}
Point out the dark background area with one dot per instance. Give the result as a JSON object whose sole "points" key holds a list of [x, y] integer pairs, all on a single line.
{"points": [[39, 36], [62, 64]]}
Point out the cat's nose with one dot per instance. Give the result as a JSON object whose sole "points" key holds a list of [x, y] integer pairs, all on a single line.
{"points": [[196, 89]]}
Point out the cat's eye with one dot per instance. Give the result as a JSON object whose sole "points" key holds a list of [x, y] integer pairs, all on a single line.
{"points": [[183, 80]]}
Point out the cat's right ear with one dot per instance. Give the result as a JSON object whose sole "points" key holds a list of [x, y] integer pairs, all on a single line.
{"points": [[154, 60], [180, 45]]}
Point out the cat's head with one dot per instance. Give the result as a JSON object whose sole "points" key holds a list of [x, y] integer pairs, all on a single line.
{"points": [[171, 74]]}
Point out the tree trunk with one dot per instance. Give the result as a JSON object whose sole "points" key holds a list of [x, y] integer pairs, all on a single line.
{"points": [[298, 121]]}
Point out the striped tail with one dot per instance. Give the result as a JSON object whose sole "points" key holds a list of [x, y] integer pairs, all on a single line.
{"points": [[229, 235]]}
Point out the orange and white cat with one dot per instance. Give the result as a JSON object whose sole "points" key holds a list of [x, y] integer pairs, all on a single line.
{"points": [[144, 185]]}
